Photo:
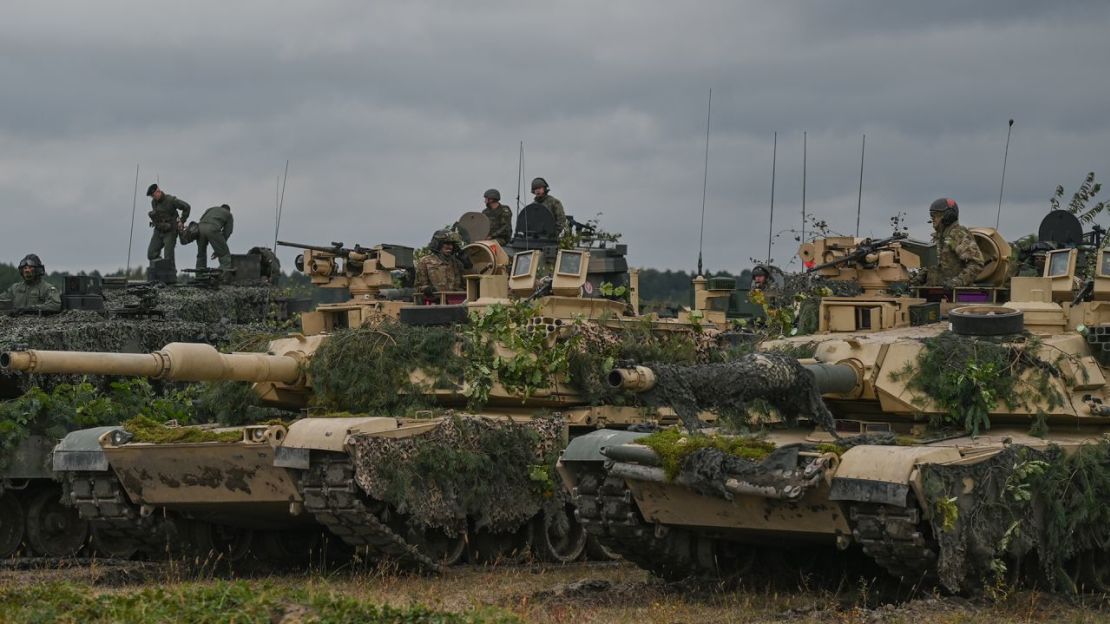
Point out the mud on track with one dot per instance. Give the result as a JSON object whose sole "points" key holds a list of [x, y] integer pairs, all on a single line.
{"points": [[578, 593]]}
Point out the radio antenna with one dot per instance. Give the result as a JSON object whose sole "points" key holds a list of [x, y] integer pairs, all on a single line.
{"points": [[131, 235], [519, 176], [281, 204], [859, 198], [1005, 156], [771, 223], [705, 178], [805, 155]]}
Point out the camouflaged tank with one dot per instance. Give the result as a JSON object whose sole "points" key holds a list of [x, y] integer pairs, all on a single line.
{"points": [[966, 453], [119, 318], [421, 433]]}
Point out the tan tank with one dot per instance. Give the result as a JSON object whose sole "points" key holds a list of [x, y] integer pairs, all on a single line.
{"points": [[276, 484], [965, 453]]}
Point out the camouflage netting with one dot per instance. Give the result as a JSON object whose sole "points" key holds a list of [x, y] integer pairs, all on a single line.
{"points": [[728, 388], [216, 317], [1043, 509], [494, 472]]}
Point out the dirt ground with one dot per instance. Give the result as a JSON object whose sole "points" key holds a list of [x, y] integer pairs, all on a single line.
{"points": [[579, 594]]}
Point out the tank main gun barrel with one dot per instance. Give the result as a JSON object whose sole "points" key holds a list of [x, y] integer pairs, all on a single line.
{"points": [[830, 378], [178, 361]]}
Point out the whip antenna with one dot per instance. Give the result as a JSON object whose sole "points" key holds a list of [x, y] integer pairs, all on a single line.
{"points": [[131, 235], [805, 145], [519, 176], [859, 198], [281, 204], [1005, 157], [771, 224], [705, 178]]}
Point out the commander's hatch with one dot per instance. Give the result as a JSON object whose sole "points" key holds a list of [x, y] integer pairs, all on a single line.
{"points": [[1102, 276], [570, 272], [1059, 268], [522, 277]]}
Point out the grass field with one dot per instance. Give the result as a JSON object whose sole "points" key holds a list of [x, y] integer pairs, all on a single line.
{"points": [[580, 594]]}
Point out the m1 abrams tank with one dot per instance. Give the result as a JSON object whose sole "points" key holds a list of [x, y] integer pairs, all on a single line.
{"points": [[963, 453], [341, 471], [110, 316]]}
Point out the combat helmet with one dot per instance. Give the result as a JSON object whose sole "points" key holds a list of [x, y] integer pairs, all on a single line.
{"points": [[540, 183], [947, 207], [33, 261], [441, 237], [493, 194]]}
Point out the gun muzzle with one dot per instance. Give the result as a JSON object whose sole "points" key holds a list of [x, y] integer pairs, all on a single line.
{"points": [[178, 361], [635, 379]]}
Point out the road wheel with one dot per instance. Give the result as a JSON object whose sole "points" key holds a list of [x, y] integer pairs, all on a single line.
{"points": [[597, 551], [558, 537], [982, 320], [485, 547], [54, 529], [444, 549], [12, 524], [113, 546], [231, 544]]}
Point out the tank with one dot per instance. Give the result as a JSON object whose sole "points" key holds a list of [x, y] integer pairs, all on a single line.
{"points": [[115, 316], [363, 418], [965, 453]]}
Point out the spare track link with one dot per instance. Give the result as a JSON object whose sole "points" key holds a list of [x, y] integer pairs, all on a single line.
{"points": [[100, 499], [604, 507], [893, 537], [334, 499]]}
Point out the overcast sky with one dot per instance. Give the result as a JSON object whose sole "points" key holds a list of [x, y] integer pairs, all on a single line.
{"points": [[396, 116]]}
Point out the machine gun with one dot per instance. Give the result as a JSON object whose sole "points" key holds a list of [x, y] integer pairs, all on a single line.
{"points": [[146, 305], [865, 253], [336, 249]]}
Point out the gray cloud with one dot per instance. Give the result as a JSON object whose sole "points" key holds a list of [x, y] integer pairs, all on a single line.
{"points": [[397, 115]]}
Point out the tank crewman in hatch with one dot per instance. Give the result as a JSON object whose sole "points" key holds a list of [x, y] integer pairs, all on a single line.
{"points": [[442, 269], [214, 228], [500, 217], [166, 221], [959, 259], [33, 294], [542, 193]]}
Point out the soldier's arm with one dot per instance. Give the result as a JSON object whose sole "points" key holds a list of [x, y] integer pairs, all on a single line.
{"points": [[971, 256], [49, 299], [184, 207], [560, 217], [230, 225], [422, 279]]}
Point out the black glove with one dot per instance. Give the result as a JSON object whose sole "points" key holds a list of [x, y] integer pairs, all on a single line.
{"points": [[428, 292]]}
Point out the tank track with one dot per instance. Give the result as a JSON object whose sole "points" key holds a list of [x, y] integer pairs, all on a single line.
{"points": [[604, 507], [100, 499], [334, 499], [893, 538]]}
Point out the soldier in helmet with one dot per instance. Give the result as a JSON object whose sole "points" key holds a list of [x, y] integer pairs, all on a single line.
{"points": [[542, 193], [959, 259], [499, 215], [33, 294], [761, 277], [442, 269], [167, 214], [214, 228]]}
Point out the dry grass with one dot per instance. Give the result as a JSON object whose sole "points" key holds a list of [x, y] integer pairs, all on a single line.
{"points": [[577, 594]]}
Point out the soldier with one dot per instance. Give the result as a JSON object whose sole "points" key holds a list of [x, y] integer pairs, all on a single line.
{"points": [[760, 277], [959, 259], [441, 270], [541, 191], [166, 221], [499, 215], [33, 294], [214, 229]]}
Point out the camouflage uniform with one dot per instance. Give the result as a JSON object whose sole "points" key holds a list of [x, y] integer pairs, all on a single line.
{"points": [[215, 228], [959, 258], [556, 208], [443, 273], [164, 218], [34, 296], [500, 223]]}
